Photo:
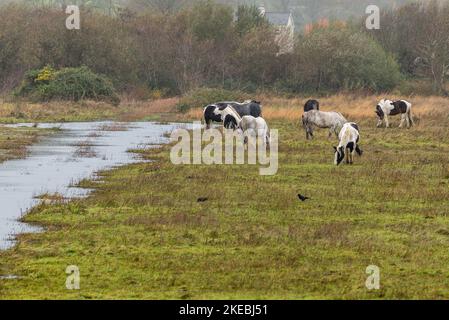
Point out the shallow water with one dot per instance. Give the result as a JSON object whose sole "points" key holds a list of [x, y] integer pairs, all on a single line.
{"points": [[76, 152]]}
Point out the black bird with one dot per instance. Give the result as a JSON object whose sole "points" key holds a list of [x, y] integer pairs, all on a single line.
{"points": [[202, 199], [303, 198]]}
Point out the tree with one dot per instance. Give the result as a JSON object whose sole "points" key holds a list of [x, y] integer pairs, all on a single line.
{"points": [[248, 18], [337, 57], [256, 57], [210, 21], [164, 6], [433, 50], [421, 47]]}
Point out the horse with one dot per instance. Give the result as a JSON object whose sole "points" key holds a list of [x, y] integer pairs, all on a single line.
{"points": [[311, 105], [256, 127], [387, 108], [212, 112], [231, 119], [349, 144], [332, 120]]}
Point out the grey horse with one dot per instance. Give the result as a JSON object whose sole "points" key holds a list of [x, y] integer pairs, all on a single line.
{"points": [[334, 121]]}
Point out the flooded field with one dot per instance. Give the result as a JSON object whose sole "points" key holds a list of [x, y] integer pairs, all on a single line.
{"points": [[55, 164]]}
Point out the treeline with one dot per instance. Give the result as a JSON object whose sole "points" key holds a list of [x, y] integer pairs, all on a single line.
{"points": [[418, 36], [208, 45]]}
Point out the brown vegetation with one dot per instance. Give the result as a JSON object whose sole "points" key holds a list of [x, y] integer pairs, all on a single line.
{"points": [[356, 107]]}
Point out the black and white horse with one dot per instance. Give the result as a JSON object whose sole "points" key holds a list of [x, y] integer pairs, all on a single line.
{"points": [[349, 144], [311, 105], [212, 112], [387, 108], [231, 119]]}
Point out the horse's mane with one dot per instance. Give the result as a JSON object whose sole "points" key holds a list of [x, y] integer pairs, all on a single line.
{"points": [[231, 111]]}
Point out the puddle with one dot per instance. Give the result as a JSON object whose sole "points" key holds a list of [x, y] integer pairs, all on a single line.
{"points": [[56, 163]]}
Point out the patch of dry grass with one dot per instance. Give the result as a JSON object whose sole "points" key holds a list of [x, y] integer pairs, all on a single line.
{"points": [[62, 111], [138, 110], [354, 107]]}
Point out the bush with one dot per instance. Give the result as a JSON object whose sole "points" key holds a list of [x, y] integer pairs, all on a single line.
{"points": [[337, 57], [67, 84], [201, 97]]}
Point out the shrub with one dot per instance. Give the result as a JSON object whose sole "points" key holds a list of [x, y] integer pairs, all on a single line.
{"points": [[204, 96], [67, 84], [337, 57]]}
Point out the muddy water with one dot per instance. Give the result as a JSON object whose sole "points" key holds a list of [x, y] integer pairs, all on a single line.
{"points": [[76, 152]]}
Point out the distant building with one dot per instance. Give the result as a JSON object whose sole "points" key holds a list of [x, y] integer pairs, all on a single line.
{"points": [[285, 29]]}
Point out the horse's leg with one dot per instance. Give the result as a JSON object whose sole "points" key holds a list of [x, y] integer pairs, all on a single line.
{"points": [[331, 131], [309, 133], [402, 120], [267, 139], [387, 122], [347, 155], [407, 120], [352, 157], [379, 123], [410, 117]]}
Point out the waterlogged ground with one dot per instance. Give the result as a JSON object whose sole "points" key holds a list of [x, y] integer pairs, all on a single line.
{"points": [[51, 167], [14, 141], [143, 234]]}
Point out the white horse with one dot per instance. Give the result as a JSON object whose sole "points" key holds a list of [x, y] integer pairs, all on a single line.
{"points": [[387, 108], [255, 127], [349, 144], [334, 121]]}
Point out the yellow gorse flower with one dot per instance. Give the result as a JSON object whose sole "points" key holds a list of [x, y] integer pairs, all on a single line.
{"points": [[46, 74]]}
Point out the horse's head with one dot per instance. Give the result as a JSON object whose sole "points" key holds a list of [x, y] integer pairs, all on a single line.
{"points": [[230, 122], [339, 155], [379, 112], [381, 106]]}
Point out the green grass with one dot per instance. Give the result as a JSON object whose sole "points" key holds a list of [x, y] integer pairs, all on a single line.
{"points": [[142, 233]]}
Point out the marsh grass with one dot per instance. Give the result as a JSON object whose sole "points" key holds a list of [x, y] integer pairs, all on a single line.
{"points": [[142, 233], [14, 141], [85, 149], [355, 107], [63, 111]]}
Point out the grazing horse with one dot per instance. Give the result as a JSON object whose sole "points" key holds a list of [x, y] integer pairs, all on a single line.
{"points": [[349, 144], [311, 105], [387, 108], [332, 120], [256, 127], [212, 112], [231, 119]]}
